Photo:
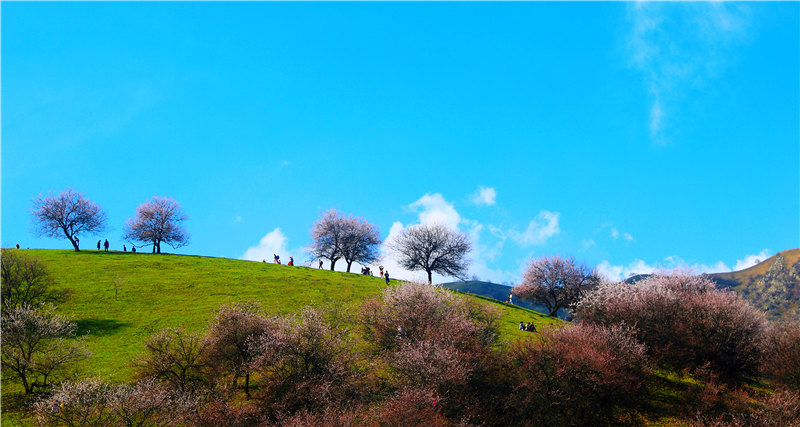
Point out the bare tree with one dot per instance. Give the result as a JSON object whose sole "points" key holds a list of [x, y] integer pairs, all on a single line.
{"points": [[556, 282], [158, 221], [67, 213], [433, 248], [25, 281], [360, 241], [327, 235], [35, 347]]}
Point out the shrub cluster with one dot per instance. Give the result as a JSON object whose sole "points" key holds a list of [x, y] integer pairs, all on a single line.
{"points": [[419, 355], [685, 322], [576, 375], [783, 361]]}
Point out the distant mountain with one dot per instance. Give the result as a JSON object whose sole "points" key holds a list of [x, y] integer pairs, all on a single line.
{"points": [[498, 292], [772, 285]]}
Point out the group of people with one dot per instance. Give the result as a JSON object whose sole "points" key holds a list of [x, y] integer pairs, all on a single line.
{"points": [[530, 327], [365, 270], [105, 245]]}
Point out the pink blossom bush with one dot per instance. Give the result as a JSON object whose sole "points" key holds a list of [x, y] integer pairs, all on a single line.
{"points": [[433, 339], [684, 320], [306, 362], [97, 403], [576, 375], [783, 354], [227, 343]]}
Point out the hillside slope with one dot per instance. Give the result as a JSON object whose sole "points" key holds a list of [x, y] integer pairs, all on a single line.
{"points": [[772, 285], [119, 299], [498, 292]]}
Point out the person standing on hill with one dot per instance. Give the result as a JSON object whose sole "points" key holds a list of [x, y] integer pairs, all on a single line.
{"points": [[105, 245], [277, 259], [98, 246], [291, 261], [386, 275], [17, 245], [124, 249], [320, 263]]}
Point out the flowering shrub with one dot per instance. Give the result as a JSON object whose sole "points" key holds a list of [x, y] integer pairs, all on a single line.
{"points": [[783, 361], [684, 320], [306, 362], [227, 341], [575, 375], [410, 312], [98, 403], [435, 340], [35, 345]]}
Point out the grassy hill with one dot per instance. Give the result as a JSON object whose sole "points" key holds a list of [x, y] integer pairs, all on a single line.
{"points": [[772, 285], [497, 292], [119, 299]]}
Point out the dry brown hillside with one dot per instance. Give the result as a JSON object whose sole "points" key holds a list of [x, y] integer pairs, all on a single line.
{"points": [[772, 285]]}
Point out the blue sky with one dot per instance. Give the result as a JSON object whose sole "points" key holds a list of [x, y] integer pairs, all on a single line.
{"points": [[630, 136]]}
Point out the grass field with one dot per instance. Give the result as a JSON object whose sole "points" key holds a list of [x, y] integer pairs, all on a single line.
{"points": [[119, 299]]}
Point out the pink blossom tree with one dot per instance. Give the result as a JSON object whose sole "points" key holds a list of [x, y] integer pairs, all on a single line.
{"points": [[685, 321], [67, 214], [336, 236], [227, 343], [158, 221], [555, 282], [35, 345]]}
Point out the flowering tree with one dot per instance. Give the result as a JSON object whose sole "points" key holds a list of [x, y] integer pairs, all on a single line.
{"points": [[34, 346], [327, 235], [337, 236], [684, 320], [432, 248], [228, 340], [67, 214], [306, 362], [155, 221], [576, 375], [555, 282], [360, 241]]}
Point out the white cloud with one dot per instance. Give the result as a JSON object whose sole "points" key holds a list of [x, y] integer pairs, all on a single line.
{"points": [[483, 196], [751, 260], [678, 47], [622, 272], [615, 234], [238, 219], [541, 228], [434, 209], [588, 243], [273, 242]]}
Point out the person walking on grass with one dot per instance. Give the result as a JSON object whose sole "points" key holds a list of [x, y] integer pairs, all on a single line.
{"points": [[105, 245], [386, 275], [98, 246], [320, 263]]}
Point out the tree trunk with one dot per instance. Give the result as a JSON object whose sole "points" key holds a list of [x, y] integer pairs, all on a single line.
{"points": [[430, 277], [71, 240], [349, 263], [333, 262], [247, 385]]}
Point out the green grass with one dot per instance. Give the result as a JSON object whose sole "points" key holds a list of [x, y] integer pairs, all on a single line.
{"points": [[119, 299]]}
